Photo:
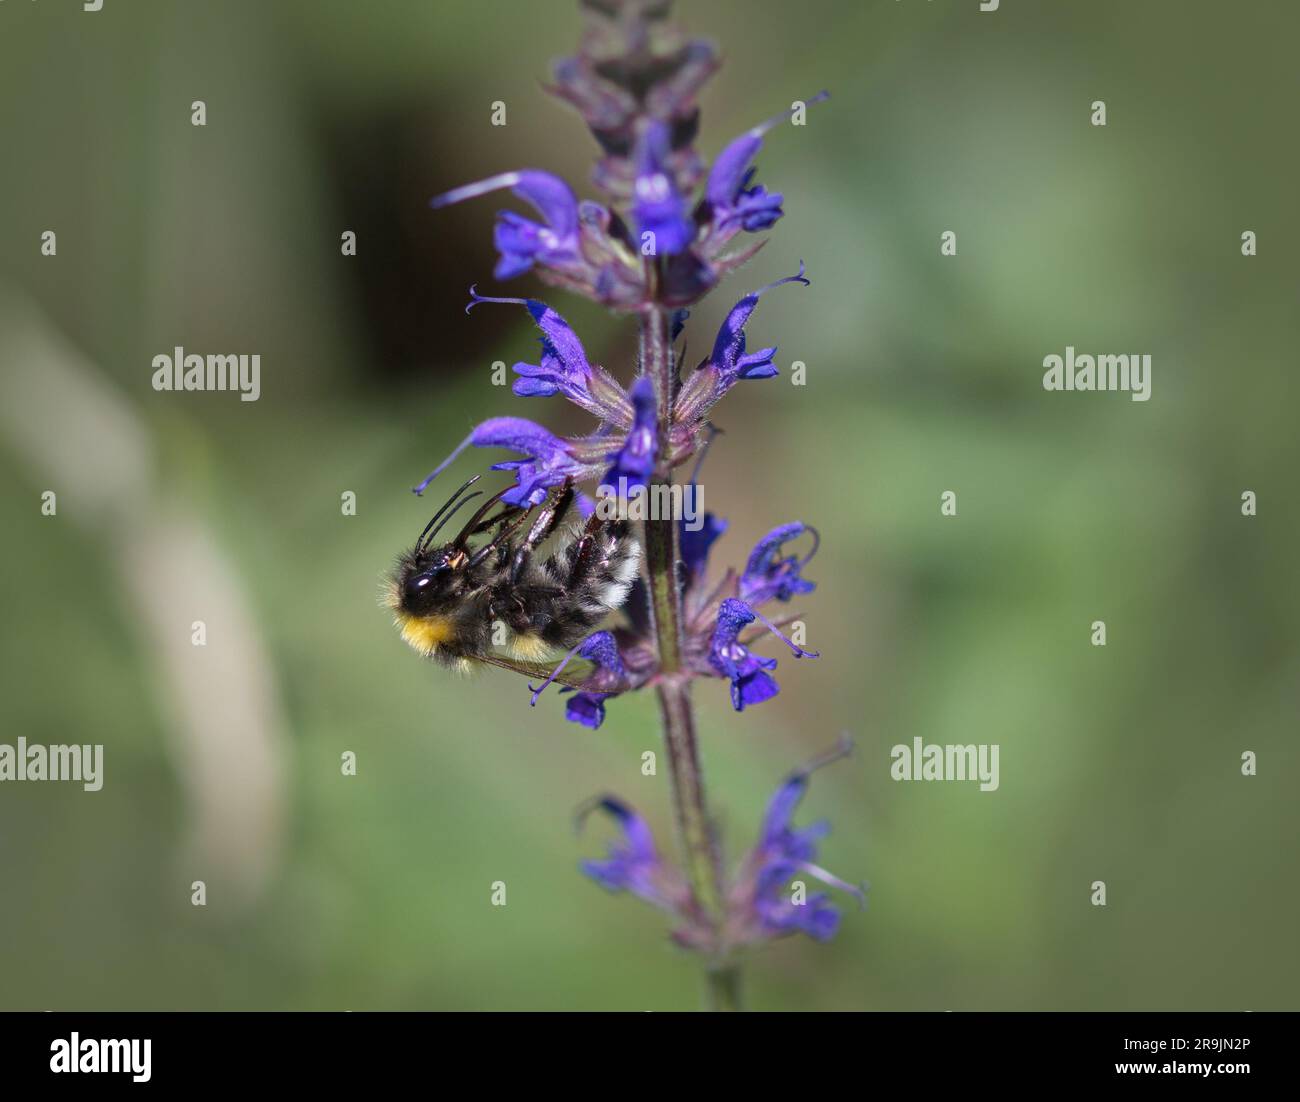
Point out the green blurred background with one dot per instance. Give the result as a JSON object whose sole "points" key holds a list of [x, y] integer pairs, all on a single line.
{"points": [[1119, 764]]}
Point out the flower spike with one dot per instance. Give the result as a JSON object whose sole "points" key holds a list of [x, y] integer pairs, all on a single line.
{"points": [[657, 238]]}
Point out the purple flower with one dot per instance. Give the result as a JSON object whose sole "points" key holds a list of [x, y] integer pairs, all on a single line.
{"points": [[695, 546], [585, 708], [628, 436], [769, 576], [550, 460], [657, 207], [581, 246], [564, 369], [751, 683], [759, 903], [782, 853], [634, 462], [729, 357], [633, 864], [729, 361], [521, 241], [587, 705], [735, 205]]}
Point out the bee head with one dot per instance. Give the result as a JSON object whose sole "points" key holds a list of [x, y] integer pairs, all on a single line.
{"points": [[426, 575], [427, 578]]}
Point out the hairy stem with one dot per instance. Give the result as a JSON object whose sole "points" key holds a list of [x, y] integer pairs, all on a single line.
{"points": [[695, 836], [694, 831], [723, 991]]}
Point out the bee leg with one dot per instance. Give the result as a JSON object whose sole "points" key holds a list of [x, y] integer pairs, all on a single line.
{"points": [[543, 526], [501, 539], [602, 562], [584, 550], [509, 512]]}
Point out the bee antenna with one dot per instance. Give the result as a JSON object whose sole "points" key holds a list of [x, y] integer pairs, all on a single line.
{"points": [[481, 513], [467, 498], [419, 543]]}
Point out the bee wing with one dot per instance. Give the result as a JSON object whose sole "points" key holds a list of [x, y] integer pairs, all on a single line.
{"points": [[575, 675]]}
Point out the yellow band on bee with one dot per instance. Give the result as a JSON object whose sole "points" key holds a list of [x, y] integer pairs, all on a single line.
{"points": [[425, 633], [531, 648]]}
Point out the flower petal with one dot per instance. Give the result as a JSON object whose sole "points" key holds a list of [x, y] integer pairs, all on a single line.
{"points": [[695, 545], [725, 189], [769, 576], [550, 459], [587, 709], [565, 368], [635, 460], [634, 865], [656, 204], [519, 240], [729, 345], [750, 681]]}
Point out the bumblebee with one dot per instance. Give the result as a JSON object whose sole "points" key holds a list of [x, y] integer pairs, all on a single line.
{"points": [[448, 599]]}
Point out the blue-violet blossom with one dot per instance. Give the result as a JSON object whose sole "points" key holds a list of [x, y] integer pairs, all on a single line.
{"points": [[761, 902]]}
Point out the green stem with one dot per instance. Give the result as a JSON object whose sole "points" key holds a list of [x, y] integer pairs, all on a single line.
{"points": [[694, 830], [723, 989]]}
